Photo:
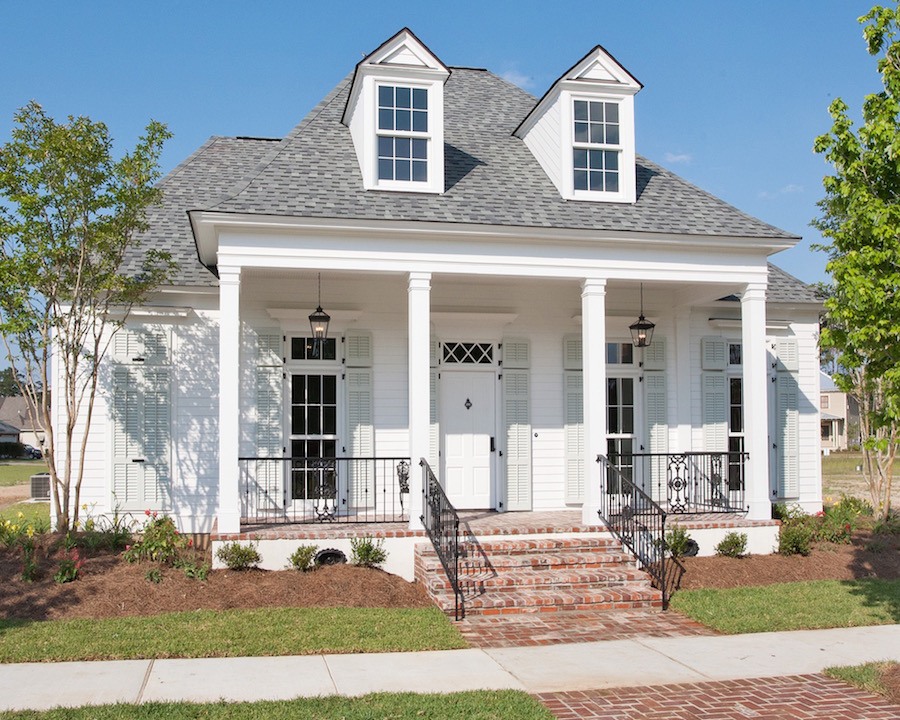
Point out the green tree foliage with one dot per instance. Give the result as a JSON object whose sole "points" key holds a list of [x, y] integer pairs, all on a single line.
{"points": [[10, 382], [70, 214], [861, 221]]}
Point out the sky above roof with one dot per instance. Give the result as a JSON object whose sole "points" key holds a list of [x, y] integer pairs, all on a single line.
{"points": [[734, 93]]}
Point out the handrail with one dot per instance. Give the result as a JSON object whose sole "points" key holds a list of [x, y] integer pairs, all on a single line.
{"points": [[640, 524], [441, 522]]}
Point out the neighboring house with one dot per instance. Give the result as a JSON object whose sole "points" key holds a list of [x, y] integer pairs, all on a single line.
{"points": [[839, 416], [8, 433], [14, 411], [481, 254]]}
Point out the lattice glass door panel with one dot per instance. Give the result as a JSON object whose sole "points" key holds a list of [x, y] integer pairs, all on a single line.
{"points": [[620, 438], [314, 436], [468, 353]]}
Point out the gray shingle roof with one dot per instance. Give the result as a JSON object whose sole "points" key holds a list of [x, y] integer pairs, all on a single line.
{"points": [[490, 177]]}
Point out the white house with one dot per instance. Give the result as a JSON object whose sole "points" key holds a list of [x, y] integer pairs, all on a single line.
{"points": [[481, 255]]}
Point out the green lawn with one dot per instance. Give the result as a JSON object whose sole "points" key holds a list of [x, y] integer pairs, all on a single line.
{"points": [[20, 472], [841, 463], [866, 677], [230, 633], [35, 513], [479, 705], [793, 606]]}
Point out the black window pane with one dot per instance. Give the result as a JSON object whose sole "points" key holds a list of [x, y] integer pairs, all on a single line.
{"points": [[385, 147], [611, 160], [612, 420], [313, 421], [385, 169], [314, 390], [734, 354], [581, 132], [298, 389], [420, 122], [329, 349], [612, 134], [298, 421], [404, 97], [612, 182], [329, 389], [298, 350], [402, 168], [580, 159], [735, 386], [581, 110], [403, 147], [329, 448], [627, 391], [736, 420], [596, 181], [612, 391], [420, 99], [627, 354], [420, 149], [386, 95], [612, 356], [627, 420], [612, 112], [596, 133], [581, 181], [404, 120], [420, 171], [329, 420], [596, 159], [385, 119], [596, 112]]}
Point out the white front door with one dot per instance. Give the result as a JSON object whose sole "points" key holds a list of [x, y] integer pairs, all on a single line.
{"points": [[468, 422]]}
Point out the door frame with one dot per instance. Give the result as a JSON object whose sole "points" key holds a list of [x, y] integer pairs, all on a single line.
{"points": [[495, 494]]}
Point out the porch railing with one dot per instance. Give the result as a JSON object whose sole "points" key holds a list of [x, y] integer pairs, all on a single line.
{"points": [[640, 524], [323, 490], [441, 522], [689, 482]]}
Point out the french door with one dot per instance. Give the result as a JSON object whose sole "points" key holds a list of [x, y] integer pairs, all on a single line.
{"points": [[621, 437]]}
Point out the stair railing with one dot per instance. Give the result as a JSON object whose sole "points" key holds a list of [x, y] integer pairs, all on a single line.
{"points": [[640, 524], [441, 522]]}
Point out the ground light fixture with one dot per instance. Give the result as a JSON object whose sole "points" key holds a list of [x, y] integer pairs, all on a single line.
{"points": [[642, 330]]}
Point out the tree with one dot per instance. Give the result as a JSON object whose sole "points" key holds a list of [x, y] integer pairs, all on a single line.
{"points": [[10, 382], [69, 221], [861, 220]]}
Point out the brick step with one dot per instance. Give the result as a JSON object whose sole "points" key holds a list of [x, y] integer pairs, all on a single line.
{"points": [[536, 563], [526, 580], [621, 598], [513, 547]]}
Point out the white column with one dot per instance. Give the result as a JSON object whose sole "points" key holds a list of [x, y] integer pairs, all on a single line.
{"points": [[419, 386], [682, 409], [229, 514], [756, 391], [593, 339]]}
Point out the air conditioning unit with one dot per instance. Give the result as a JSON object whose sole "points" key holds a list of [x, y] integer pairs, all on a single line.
{"points": [[40, 486]]}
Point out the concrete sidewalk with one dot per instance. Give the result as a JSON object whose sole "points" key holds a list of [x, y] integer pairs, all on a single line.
{"points": [[583, 666]]}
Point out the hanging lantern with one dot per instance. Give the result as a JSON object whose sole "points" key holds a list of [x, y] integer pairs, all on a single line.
{"points": [[319, 319], [642, 330]]}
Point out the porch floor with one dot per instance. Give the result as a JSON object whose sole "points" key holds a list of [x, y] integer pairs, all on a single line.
{"points": [[480, 523]]}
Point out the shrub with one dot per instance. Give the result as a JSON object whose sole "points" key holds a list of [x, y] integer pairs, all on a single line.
{"points": [[153, 575], [853, 505], [889, 526], [239, 557], [302, 558], [69, 567], [160, 541], [193, 569], [734, 545], [794, 538], [679, 543], [367, 552]]}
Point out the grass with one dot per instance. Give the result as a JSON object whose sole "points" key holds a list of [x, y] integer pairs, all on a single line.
{"points": [[841, 463], [20, 473], [793, 606], [476, 705], [36, 514], [230, 633], [866, 677]]}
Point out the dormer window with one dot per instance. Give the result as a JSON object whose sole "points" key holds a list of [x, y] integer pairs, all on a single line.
{"points": [[402, 133], [596, 148], [395, 113]]}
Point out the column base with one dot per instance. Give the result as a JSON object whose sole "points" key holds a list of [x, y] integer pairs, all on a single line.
{"points": [[759, 510], [228, 523]]}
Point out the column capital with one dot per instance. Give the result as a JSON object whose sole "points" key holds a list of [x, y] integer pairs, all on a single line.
{"points": [[754, 291], [229, 274], [419, 281], [593, 286]]}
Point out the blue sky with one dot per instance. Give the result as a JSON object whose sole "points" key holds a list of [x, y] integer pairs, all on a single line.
{"points": [[734, 93]]}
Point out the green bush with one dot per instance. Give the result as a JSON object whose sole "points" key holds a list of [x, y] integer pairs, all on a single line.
{"points": [[367, 552], [69, 567], [193, 567], [853, 505], [159, 542], [678, 541], [889, 526], [11, 450], [302, 558], [795, 538], [733, 545], [239, 557]]}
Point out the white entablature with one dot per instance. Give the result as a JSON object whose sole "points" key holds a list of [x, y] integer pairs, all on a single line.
{"points": [[395, 113], [582, 131]]}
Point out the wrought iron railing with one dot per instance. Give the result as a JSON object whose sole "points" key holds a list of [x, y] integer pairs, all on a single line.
{"points": [[441, 522], [689, 482], [640, 524], [323, 490]]}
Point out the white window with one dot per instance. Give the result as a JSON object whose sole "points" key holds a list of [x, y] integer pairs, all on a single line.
{"points": [[403, 139], [823, 402], [596, 146], [619, 353]]}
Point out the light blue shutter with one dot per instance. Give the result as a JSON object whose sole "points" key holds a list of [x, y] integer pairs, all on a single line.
{"points": [[362, 434], [434, 427], [517, 417], [713, 353], [269, 431], [156, 431], [358, 348], [126, 424], [655, 355], [788, 435], [572, 352], [656, 406], [143, 346], [715, 409], [574, 436]]}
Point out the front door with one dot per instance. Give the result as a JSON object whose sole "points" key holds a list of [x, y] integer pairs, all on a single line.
{"points": [[621, 438], [468, 422]]}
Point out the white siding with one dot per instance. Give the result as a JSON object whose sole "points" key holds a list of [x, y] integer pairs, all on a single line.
{"points": [[544, 142]]}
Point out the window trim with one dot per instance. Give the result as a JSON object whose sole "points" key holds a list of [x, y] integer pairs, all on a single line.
{"points": [[604, 147], [428, 136]]}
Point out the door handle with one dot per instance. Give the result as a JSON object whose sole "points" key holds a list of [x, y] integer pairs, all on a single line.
{"points": [[493, 446]]}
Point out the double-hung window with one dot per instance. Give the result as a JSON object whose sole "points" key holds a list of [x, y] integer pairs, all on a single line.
{"points": [[596, 147], [403, 134]]}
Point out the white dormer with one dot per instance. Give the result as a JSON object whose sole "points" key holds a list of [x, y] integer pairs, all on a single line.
{"points": [[395, 113], [582, 131]]}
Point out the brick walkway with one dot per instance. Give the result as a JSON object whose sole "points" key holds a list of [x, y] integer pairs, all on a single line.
{"points": [[573, 626], [801, 697]]}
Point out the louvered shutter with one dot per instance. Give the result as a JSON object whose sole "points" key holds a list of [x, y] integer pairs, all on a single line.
{"points": [[788, 435], [655, 355], [787, 355], [572, 352], [269, 432], [434, 427], [144, 346], [126, 424], [715, 409], [518, 439], [656, 406], [156, 433], [361, 434], [713, 353], [358, 348], [270, 350], [574, 436], [516, 354]]}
